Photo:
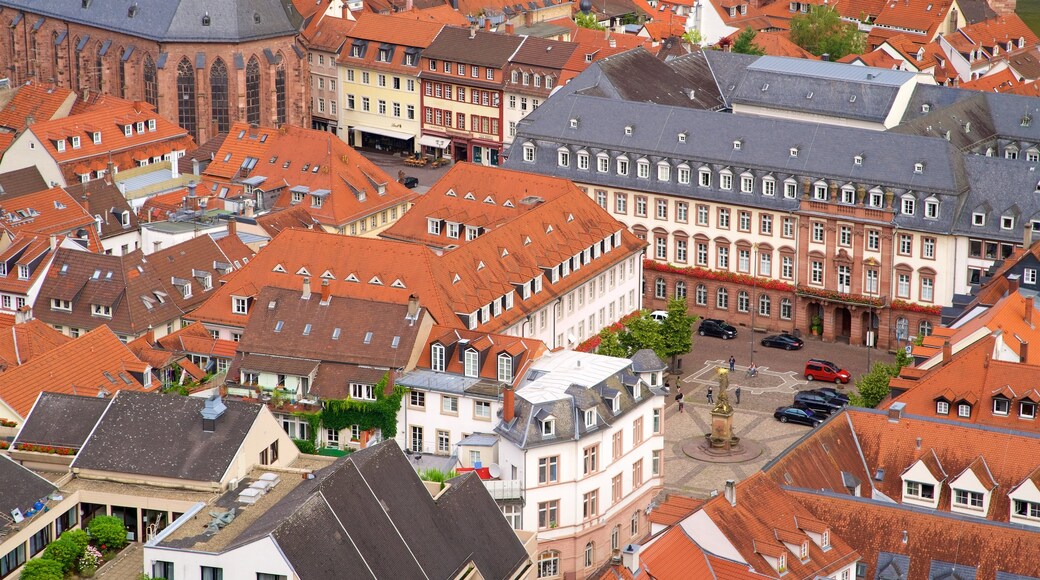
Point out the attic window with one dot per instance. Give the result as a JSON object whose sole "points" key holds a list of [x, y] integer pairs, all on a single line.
{"points": [[857, 160], [628, 129], [590, 418], [548, 427], [918, 167], [307, 330], [809, 95], [794, 152], [574, 123], [737, 145], [682, 137], [130, 12], [396, 342], [852, 98], [278, 326], [925, 108], [1027, 120], [256, 18], [206, 19], [335, 333]]}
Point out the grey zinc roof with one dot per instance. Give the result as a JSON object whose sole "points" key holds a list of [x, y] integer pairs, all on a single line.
{"points": [[61, 420], [728, 68], [176, 20], [810, 94], [894, 566], [646, 360], [805, 68], [19, 489], [369, 513], [947, 571], [162, 436], [824, 151], [999, 187]]}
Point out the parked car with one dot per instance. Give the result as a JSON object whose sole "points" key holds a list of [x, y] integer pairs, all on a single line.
{"points": [[797, 414], [716, 327], [659, 315], [822, 370], [409, 181], [834, 395], [784, 341], [817, 402]]}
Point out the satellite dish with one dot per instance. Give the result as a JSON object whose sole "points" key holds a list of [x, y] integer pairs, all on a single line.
{"points": [[494, 470]]}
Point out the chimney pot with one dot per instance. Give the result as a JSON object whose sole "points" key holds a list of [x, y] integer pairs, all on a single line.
{"points": [[326, 292], [1030, 307], [1027, 235], [508, 404], [306, 289], [1014, 282], [947, 352], [413, 307], [630, 557], [509, 28], [232, 227], [731, 492]]}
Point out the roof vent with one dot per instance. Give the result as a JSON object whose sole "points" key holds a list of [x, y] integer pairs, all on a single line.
{"points": [[206, 19], [132, 10], [212, 410]]}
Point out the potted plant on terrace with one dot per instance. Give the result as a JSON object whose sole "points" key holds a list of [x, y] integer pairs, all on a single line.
{"points": [[816, 325]]}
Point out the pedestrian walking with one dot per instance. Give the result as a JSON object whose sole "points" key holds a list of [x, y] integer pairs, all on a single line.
{"points": [[737, 393], [711, 398], [679, 398], [732, 363]]}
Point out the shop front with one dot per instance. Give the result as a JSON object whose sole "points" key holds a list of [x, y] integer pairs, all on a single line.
{"points": [[437, 146], [383, 139]]}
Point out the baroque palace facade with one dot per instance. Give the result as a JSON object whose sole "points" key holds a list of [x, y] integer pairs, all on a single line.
{"points": [[202, 65]]}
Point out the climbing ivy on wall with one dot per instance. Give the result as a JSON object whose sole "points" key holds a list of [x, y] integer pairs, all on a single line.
{"points": [[339, 414]]}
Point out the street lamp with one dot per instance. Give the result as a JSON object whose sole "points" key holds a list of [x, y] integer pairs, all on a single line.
{"points": [[871, 292]]}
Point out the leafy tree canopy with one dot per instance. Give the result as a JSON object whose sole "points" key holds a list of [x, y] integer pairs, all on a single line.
{"points": [[745, 42], [588, 21], [822, 31]]}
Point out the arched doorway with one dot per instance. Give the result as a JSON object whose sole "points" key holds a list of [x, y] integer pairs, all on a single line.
{"points": [[842, 324], [815, 317]]}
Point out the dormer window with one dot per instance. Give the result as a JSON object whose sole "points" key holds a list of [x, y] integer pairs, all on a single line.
{"points": [[1001, 406], [781, 563], [857, 160], [942, 408], [471, 360], [437, 357], [239, 305], [505, 368], [151, 124], [101, 310], [615, 403], [75, 142], [1007, 222], [628, 129], [60, 145], [803, 552], [590, 418], [58, 304], [737, 145], [548, 427], [918, 167], [433, 226], [964, 410], [794, 152], [925, 491], [825, 539], [682, 137], [96, 137], [128, 130], [978, 219], [1026, 410], [968, 499], [23, 272]]}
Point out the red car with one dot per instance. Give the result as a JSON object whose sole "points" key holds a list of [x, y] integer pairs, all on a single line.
{"points": [[822, 370]]}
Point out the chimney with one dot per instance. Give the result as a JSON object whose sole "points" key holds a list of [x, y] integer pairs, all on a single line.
{"points": [[1030, 307], [1014, 282], [111, 169], [528, 18], [947, 352], [306, 289], [1023, 355], [895, 412], [249, 210], [23, 315], [139, 106], [326, 292], [232, 227], [509, 28], [175, 170], [195, 166], [731, 492], [508, 404], [487, 24], [630, 558], [413, 307], [191, 188], [1027, 235], [825, 57], [212, 410], [472, 32], [54, 241]]}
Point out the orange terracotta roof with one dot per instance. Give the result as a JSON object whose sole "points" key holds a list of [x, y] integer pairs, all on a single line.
{"points": [[775, 44], [398, 30], [879, 59], [602, 39], [453, 285], [981, 472], [195, 339], [674, 509], [51, 211], [40, 101], [918, 15], [660, 30], [1009, 315], [320, 163], [327, 33], [23, 342], [95, 362], [441, 14], [32, 250], [998, 32], [762, 507], [109, 117], [290, 217], [1000, 82], [528, 349], [878, 35]]}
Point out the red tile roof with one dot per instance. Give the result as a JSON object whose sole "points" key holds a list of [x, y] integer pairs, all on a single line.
{"points": [[320, 162], [23, 342], [441, 14], [93, 363], [290, 217], [998, 32], [674, 509], [525, 351], [917, 15], [42, 102], [774, 44], [1004, 81], [453, 285], [51, 211], [399, 31], [30, 250], [327, 33], [195, 339]]}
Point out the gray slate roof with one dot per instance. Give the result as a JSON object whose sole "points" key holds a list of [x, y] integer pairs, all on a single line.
{"points": [[646, 361], [369, 513], [175, 20], [999, 187], [162, 436], [485, 48], [637, 75], [61, 420], [19, 489]]}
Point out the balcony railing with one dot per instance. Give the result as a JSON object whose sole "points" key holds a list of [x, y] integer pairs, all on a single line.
{"points": [[505, 489]]}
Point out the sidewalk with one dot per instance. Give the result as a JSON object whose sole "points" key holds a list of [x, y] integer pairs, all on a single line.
{"points": [[392, 164]]}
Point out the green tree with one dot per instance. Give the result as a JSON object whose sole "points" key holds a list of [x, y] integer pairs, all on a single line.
{"points": [[108, 532], [644, 332], [610, 344], [42, 569], [745, 42], [677, 329], [65, 552], [872, 388], [693, 36], [822, 31], [588, 21]]}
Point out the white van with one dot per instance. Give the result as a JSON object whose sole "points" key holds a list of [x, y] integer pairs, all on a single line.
{"points": [[659, 315]]}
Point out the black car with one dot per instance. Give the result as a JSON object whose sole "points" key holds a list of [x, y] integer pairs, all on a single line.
{"points": [[817, 402], [797, 414], [716, 327], [834, 395], [409, 181], [784, 341]]}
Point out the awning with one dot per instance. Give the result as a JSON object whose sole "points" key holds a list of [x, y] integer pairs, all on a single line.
{"points": [[437, 142], [386, 133]]}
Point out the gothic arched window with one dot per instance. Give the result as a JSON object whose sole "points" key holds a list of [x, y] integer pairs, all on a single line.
{"points": [[253, 92], [218, 87], [186, 96]]}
